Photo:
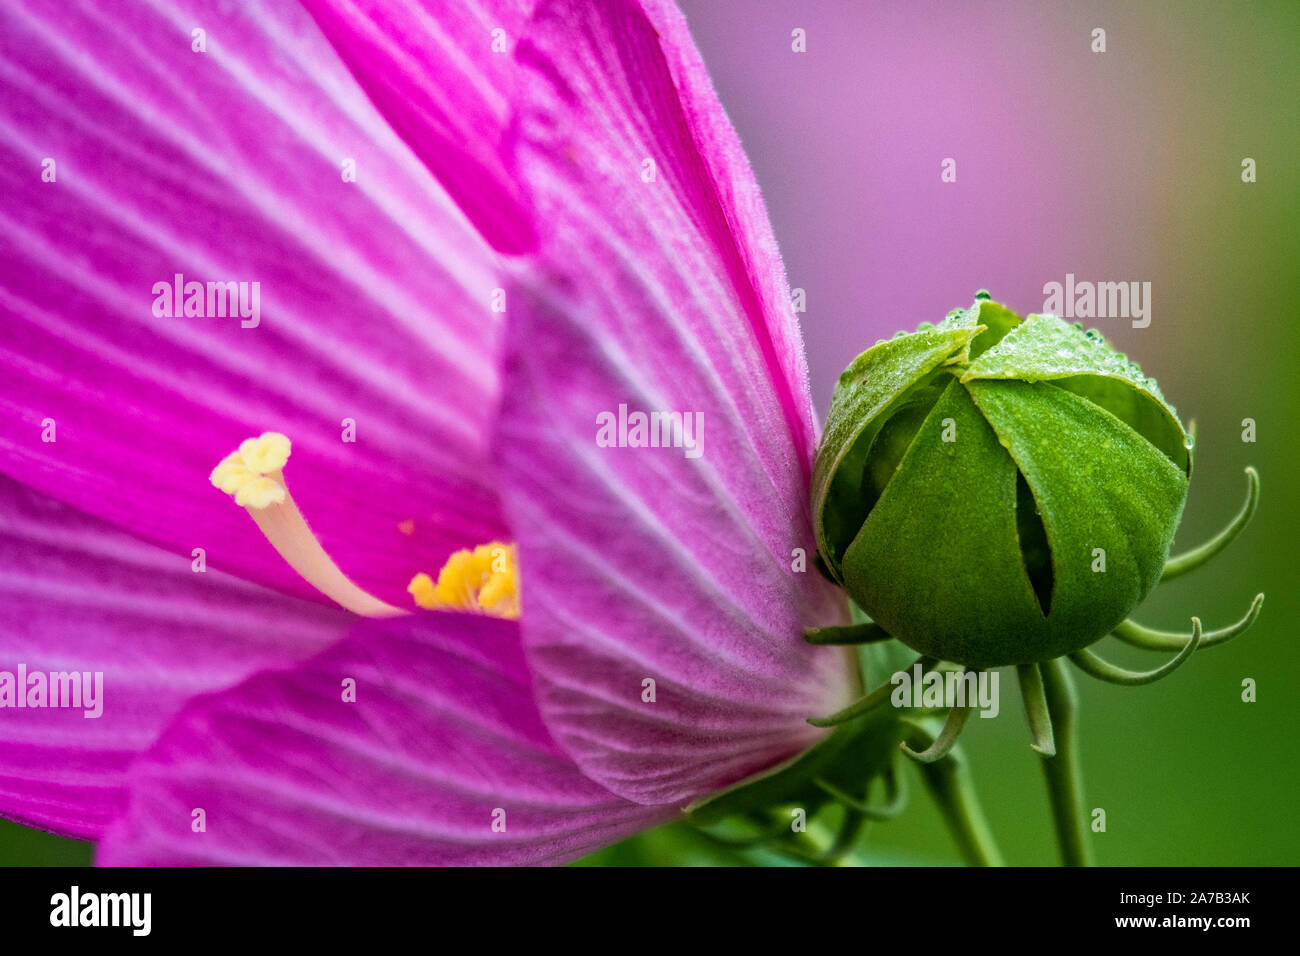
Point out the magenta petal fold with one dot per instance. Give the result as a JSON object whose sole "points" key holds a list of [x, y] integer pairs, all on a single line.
{"points": [[442, 741], [657, 287], [228, 165], [443, 73], [78, 596]]}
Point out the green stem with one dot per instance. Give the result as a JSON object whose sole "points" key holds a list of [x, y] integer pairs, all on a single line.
{"points": [[950, 784], [1064, 779]]}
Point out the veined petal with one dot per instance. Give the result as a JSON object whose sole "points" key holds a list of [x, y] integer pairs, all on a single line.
{"points": [[443, 73], [657, 288], [77, 596], [443, 738], [228, 166]]}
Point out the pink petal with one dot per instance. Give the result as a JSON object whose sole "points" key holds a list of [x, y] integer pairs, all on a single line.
{"points": [[78, 595], [641, 563], [442, 733], [443, 73], [225, 165]]}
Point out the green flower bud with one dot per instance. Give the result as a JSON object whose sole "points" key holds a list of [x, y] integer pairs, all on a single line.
{"points": [[996, 490]]}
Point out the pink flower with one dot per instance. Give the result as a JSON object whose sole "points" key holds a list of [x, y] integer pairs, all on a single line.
{"points": [[570, 164]]}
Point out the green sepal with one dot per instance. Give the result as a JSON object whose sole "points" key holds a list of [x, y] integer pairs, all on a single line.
{"points": [[869, 391], [937, 563], [991, 320], [980, 551], [1046, 348], [1098, 484]]}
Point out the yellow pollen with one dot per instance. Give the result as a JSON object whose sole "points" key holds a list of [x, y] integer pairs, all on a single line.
{"points": [[484, 580], [250, 473], [254, 475]]}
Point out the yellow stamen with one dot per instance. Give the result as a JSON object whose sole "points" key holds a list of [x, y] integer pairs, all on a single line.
{"points": [[245, 473], [484, 580], [266, 453], [254, 475]]}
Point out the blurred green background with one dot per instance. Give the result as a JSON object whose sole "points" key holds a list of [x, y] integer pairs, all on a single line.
{"points": [[1117, 166]]}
